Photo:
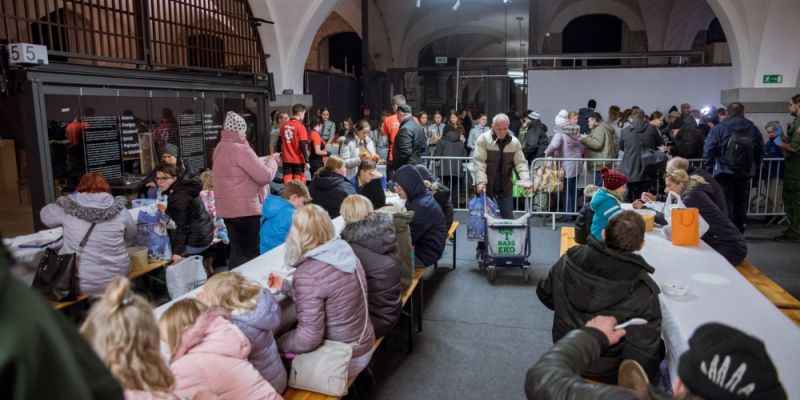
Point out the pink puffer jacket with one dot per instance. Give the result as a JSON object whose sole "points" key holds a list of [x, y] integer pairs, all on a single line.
{"points": [[241, 179], [329, 301], [213, 357]]}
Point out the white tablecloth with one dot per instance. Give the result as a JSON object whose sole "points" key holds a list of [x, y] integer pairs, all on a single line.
{"points": [[719, 293]]}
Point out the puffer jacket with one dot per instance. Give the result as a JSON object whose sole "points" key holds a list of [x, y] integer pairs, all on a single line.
{"points": [[717, 194], [591, 280], [450, 145], [276, 219], [409, 144], [494, 172], [566, 144], [193, 225], [428, 229], [328, 190], [557, 374], [329, 301], [600, 144], [633, 139], [401, 219], [375, 245], [212, 357], [351, 154], [105, 255], [259, 325], [241, 179], [605, 204]]}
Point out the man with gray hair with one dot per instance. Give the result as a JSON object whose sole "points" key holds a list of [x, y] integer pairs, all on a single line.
{"points": [[497, 156]]}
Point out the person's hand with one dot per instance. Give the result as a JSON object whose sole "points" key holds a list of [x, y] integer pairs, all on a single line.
{"points": [[275, 157], [480, 188], [606, 325], [201, 297], [638, 204], [176, 258], [274, 281], [161, 207], [150, 184], [648, 196], [584, 136]]}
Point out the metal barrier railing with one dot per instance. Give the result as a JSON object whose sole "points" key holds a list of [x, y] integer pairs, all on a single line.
{"points": [[457, 173]]}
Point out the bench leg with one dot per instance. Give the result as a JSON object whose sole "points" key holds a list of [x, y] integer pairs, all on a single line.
{"points": [[454, 251], [418, 312]]}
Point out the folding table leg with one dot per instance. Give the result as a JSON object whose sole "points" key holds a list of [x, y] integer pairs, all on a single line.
{"points": [[419, 306], [455, 239]]}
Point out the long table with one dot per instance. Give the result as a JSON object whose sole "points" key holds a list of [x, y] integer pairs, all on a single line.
{"points": [[718, 293]]}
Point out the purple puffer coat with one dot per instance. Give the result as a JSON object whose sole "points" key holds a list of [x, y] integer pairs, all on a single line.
{"points": [[329, 301], [566, 144], [259, 326]]}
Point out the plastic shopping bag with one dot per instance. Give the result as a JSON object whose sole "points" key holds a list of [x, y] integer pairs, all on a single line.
{"points": [[151, 232], [185, 276], [675, 208], [479, 207]]}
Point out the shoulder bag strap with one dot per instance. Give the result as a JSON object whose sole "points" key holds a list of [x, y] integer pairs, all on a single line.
{"points": [[366, 307], [86, 236]]}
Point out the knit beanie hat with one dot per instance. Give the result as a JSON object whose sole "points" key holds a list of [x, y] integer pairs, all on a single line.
{"points": [[235, 123], [725, 363], [170, 149], [561, 118], [612, 180]]}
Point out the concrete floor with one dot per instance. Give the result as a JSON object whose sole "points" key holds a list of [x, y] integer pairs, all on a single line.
{"points": [[479, 339]]}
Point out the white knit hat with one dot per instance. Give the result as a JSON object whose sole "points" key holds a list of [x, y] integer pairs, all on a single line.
{"points": [[235, 123], [561, 118]]}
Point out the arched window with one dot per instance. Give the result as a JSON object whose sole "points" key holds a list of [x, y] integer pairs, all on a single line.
{"points": [[715, 33], [52, 33], [596, 33]]}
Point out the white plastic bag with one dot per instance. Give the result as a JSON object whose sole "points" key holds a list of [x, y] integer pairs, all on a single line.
{"points": [[669, 206], [185, 276]]}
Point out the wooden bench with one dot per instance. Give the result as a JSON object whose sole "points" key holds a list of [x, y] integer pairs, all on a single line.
{"points": [[792, 314], [771, 290], [135, 273], [452, 238], [567, 239], [416, 280]]}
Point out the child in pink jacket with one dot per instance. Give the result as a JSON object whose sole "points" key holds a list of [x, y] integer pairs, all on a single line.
{"points": [[210, 354]]}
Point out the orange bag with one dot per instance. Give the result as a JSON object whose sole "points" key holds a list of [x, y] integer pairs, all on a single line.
{"points": [[686, 227]]}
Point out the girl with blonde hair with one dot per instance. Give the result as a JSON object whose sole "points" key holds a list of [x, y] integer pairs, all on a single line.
{"points": [[210, 354], [257, 314], [122, 330], [329, 289]]}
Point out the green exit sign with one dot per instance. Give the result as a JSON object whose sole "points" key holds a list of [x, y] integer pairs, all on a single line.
{"points": [[773, 78], [441, 60]]}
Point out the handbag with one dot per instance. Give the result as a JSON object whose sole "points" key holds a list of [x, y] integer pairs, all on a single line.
{"points": [[324, 369], [57, 274]]}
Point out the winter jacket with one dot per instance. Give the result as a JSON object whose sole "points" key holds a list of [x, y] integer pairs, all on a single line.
{"points": [[494, 169], [567, 145], [375, 245], [428, 230], [375, 191], [633, 139], [328, 190], [143, 395], [583, 119], [600, 144], [441, 194], [241, 179], [717, 142], [359, 187], [329, 301], [536, 141], [450, 145], [558, 373], [37, 341], [105, 255], [722, 235], [401, 219], [259, 326], [328, 130], [605, 204], [212, 357], [688, 143], [591, 280], [474, 134], [409, 144], [717, 194], [193, 225], [276, 219], [351, 154]]}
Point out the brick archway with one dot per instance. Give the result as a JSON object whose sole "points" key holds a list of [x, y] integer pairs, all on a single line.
{"points": [[333, 24]]}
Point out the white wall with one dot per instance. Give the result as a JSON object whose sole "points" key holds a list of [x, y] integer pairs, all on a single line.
{"points": [[650, 88]]}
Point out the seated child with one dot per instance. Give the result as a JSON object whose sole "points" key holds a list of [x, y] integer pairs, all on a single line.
{"points": [[257, 314], [607, 201], [608, 278], [277, 212], [207, 194], [209, 353]]}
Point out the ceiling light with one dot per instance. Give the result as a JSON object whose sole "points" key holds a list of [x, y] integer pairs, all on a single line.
{"points": [[505, 1], [419, 3], [457, 5]]}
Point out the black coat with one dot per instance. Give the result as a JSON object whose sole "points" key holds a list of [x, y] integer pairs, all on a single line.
{"points": [[450, 145], [633, 139], [536, 140], [328, 190], [688, 143], [591, 280], [193, 225], [717, 194], [409, 144], [428, 229]]}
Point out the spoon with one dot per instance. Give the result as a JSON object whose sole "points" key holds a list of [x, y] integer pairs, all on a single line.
{"points": [[632, 321]]}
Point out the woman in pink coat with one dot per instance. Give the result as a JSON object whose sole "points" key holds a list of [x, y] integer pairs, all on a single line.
{"points": [[566, 144], [241, 183], [211, 354]]}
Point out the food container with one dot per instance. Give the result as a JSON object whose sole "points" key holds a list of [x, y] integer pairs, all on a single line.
{"points": [[675, 288], [138, 256], [649, 217]]}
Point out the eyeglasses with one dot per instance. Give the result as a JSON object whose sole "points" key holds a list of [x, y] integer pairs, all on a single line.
{"points": [[164, 178]]}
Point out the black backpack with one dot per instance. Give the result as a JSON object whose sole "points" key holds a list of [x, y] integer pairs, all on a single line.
{"points": [[583, 224], [738, 153]]}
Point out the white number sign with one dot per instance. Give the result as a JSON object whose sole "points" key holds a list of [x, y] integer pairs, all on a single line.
{"points": [[26, 53]]}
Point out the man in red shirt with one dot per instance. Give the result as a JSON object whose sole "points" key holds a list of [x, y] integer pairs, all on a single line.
{"points": [[294, 145], [391, 125], [317, 154]]}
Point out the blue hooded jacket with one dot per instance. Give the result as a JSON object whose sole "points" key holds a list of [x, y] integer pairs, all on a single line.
{"points": [[717, 140], [276, 219], [428, 229]]}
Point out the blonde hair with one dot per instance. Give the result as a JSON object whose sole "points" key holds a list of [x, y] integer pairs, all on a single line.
{"points": [[680, 177], [177, 318], [571, 114], [311, 228], [331, 164], [295, 188], [231, 291], [208, 180], [121, 329], [355, 207]]}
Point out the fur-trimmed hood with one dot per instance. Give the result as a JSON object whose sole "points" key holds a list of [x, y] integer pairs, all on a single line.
{"points": [[375, 232], [92, 207]]}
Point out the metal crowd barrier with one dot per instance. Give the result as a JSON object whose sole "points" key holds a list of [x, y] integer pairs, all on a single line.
{"points": [[457, 173]]}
